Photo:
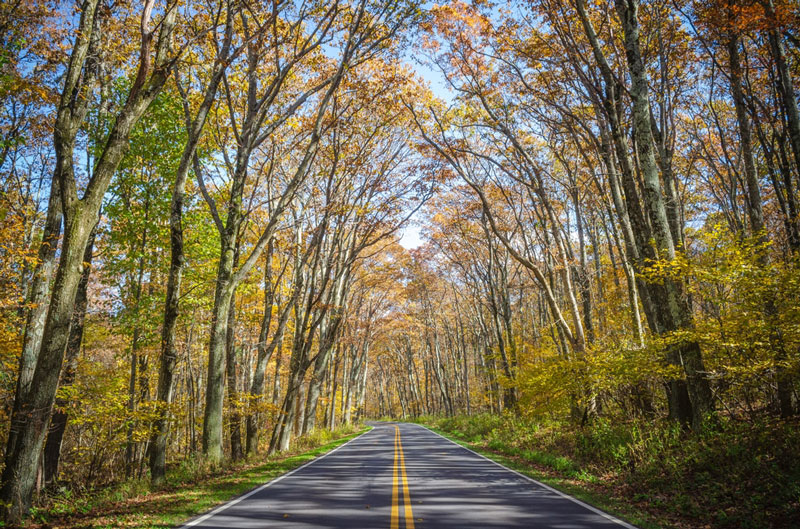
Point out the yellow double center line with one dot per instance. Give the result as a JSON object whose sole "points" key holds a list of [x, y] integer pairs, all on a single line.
{"points": [[399, 470]]}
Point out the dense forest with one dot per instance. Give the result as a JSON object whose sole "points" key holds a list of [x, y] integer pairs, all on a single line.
{"points": [[203, 202]]}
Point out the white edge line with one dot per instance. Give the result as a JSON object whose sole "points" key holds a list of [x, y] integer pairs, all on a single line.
{"points": [[539, 483], [243, 497]]}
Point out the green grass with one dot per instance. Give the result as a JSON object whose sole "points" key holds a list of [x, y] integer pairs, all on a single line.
{"points": [[191, 489]]}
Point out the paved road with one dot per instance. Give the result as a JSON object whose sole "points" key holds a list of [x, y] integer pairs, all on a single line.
{"points": [[404, 476]]}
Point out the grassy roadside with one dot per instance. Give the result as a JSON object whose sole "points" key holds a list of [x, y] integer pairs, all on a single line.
{"points": [[728, 476], [190, 490]]}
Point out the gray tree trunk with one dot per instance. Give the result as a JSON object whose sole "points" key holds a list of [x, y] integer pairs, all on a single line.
{"points": [[58, 424], [754, 210], [234, 418], [676, 311], [215, 379], [39, 289]]}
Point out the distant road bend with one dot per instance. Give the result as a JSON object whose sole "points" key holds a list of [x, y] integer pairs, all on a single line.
{"points": [[404, 476]]}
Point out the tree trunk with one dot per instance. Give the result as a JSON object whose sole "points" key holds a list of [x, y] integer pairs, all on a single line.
{"points": [[39, 289], [787, 91], [676, 311], [262, 358], [169, 355], [58, 424], [235, 418], [754, 210], [31, 415], [276, 386], [314, 391], [282, 434], [334, 388], [265, 352], [215, 381]]}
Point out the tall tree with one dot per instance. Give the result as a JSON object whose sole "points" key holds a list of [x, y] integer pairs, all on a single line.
{"points": [[196, 120], [32, 411]]}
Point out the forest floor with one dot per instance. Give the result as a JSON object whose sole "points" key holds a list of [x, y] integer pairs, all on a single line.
{"points": [[732, 475], [191, 489]]}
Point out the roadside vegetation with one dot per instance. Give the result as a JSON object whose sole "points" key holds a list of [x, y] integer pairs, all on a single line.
{"points": [[191, 488], [731, 474]]}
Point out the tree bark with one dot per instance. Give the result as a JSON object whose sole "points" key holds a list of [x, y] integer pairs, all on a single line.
{"points": [[39, 289], [235, 418], [58, 424], [754, 210], [787, 91], [215, 380]]}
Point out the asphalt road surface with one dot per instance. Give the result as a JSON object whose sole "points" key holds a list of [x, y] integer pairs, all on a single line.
{"points": [[404, 476]]}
